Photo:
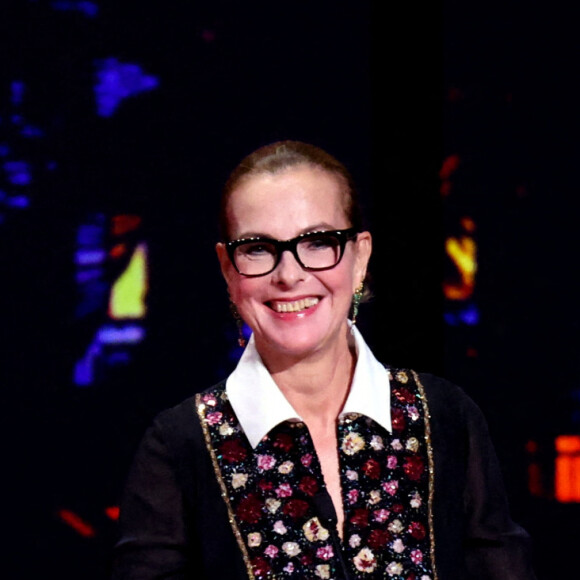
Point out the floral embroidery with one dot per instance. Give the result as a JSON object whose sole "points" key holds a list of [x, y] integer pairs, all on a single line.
{"points": [[313, 530], [254, 539], [239, 480], [365, 561], [352, 443], [271, 492]]}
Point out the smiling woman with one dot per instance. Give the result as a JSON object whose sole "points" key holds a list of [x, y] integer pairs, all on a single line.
{"points": [[312, 459]]}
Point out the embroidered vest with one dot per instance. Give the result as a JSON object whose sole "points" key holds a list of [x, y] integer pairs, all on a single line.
{"points": [[272, 492]]}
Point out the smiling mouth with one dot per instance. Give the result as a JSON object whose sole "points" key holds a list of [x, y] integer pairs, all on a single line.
{"points": [[295, 306]]}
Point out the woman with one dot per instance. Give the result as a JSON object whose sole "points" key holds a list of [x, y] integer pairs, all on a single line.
{"points": [[313, 460]]}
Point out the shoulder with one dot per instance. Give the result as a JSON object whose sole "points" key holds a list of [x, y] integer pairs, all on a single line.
{"points": [[180, 423], [445, 396]]}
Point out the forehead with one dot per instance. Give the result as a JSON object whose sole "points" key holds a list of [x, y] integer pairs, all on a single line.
{"points": [[286, 203]]}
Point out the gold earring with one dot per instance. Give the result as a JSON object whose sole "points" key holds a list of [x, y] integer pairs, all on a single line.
{"points": [[356, 298], [239, 324]]}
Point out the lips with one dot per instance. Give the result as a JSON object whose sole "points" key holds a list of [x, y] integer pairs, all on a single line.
{"points": [[294, 306]]}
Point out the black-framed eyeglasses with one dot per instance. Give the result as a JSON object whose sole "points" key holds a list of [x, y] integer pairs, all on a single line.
{"points": [[314, 251]]}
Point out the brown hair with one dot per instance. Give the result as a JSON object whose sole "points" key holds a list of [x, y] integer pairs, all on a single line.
{"points": [[282, 155]]}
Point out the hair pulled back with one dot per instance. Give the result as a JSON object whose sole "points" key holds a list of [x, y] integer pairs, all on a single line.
{"points": [[282, 155]]}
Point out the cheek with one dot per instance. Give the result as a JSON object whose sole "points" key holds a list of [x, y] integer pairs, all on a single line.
{"points": [[243, 290]]}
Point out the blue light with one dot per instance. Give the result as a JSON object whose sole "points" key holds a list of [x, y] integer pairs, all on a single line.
{"points": [[90, 235], [31, 132], [19, 201], [468, 316], [117, 81], [89, 257], [18, 172], [89, 9], [17, 89], [130, 334], [84, 373]]}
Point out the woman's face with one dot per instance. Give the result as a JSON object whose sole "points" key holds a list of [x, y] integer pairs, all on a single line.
{"points": [[282, 206]]}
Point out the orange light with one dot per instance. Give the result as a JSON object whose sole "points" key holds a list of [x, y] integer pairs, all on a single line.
{"points": [[463, 253], [567, 469]]}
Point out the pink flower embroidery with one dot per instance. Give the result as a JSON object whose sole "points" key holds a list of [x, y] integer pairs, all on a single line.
{"points": [[391, 487], [381, 515], [284, 490], [325, 552], [271, 551], [214, 418], [266, 462]]}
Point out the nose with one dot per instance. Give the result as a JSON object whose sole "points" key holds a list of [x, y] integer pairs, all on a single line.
{"points": [[288, 271]]}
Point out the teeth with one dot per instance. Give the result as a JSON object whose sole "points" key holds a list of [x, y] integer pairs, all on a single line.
{"points": [[295, 306]]}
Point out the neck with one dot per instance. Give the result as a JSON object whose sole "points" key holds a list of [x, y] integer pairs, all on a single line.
{"points": [[317, 386]]}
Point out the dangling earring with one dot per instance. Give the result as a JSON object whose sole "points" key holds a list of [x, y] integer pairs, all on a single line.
{"points": [[239, 324], [356, 298]]}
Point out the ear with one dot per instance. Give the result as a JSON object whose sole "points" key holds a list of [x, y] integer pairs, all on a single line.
{"points": [[226, 265], [364, 248]]}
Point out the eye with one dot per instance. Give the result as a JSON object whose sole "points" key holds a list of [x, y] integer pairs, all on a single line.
{"points": [[320, 241], [256, 249]]}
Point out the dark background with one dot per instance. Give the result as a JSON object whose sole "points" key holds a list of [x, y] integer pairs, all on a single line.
{"points": [[391, 91]]}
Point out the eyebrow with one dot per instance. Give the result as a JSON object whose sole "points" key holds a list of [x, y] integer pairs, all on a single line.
{"points": [[322, 226]]}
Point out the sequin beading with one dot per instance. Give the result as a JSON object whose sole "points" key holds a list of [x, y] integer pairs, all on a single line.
{"points": [[387, 489]]}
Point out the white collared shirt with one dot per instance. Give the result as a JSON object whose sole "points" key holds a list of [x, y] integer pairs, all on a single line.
{"points": [[260, 405]]}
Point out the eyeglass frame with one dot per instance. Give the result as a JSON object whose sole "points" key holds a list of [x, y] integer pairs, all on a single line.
{"points": [[343, 236]]}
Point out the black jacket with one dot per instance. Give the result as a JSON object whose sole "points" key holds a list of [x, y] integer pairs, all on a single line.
{"points": [[174, 522]]}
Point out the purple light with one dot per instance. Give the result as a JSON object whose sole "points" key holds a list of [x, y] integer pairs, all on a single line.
{"points": [[117, 81]]}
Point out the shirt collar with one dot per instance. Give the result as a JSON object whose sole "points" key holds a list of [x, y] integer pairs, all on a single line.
{"points": [[260, 405]]}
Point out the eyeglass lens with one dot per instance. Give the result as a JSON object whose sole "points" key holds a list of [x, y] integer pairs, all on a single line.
{"points": [[319, 251]]}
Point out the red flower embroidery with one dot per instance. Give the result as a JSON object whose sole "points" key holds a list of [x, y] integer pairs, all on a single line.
{"points": [[260, 566], [265, 485], [398, 508], [283, 441], [295, 508], [398, 419], [360, 518], [414, 467], [232, 451], [308, 485], [372, 469], [249, 509], [378, 538], [417, 530], [404, 395]]}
